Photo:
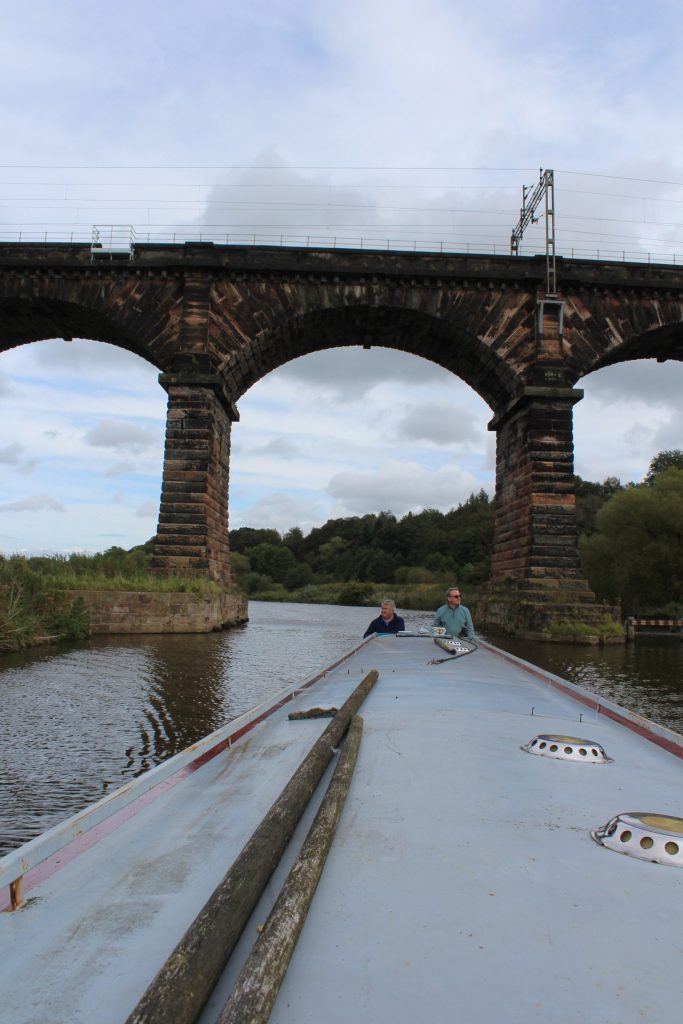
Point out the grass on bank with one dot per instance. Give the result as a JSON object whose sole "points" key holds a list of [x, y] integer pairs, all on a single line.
{"points": [[34, 608]]}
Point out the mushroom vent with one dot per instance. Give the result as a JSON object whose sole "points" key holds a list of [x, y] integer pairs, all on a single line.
{"points": [[567, 748], [654, 837]]}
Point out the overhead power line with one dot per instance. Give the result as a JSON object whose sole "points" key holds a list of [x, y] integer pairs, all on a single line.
{"points": [[253, 167], [423, 168]]}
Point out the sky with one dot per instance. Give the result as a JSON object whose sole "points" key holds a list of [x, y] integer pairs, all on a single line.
{"points": [[401, 124]]}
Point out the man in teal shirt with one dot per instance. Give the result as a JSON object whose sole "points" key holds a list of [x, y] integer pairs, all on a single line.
{"points": [[453, 615]]}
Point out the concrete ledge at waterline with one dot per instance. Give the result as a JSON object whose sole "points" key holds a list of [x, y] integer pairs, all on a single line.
{"points": [[124, 611]]}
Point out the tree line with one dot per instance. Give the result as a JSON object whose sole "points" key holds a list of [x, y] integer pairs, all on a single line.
{"points": [[420, 547], [630, 542]]}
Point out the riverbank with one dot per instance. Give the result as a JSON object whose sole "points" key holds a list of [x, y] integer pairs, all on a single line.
{"points": [[48, 601], [56, 600]]}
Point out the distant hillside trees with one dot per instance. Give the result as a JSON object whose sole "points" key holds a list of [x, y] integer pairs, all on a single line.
{"points": [[378, 548], [630, 540]]}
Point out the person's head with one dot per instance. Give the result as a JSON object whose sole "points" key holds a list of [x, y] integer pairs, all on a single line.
{"points": [[388, 609], [453, 597]]}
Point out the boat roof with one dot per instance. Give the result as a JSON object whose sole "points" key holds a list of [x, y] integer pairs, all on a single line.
{"points": [[463, 880]]}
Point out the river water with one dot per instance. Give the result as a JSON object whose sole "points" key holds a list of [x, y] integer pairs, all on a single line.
{"points": [[77, 723]]}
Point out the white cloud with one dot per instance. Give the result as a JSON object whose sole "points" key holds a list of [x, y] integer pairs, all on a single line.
{"points": [[629, 413], [354, 372], [11, 453], [281, 511], [119, 435], [279, 446], [441, 424], [401, 487], [28, 467], [149, 510], [36, 503]]}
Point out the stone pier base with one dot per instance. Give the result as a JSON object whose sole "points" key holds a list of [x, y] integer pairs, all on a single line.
{"points": [[116, 611], [529, 609]]}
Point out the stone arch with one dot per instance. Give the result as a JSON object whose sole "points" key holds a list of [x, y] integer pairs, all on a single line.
{"points": [[605, 329], [660, 343], [415, 332], [143, 314], [24, 321]]}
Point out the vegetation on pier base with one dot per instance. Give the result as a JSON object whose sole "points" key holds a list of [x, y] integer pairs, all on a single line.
{"points": [[575, 631]]}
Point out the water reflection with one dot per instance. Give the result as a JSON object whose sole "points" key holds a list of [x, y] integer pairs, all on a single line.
{"points": [[645, 676], [77, 723]]}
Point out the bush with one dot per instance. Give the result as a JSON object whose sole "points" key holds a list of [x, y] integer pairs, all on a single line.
{"points": [[255, 581], [416, 574], [69, 621], [357, 594]]}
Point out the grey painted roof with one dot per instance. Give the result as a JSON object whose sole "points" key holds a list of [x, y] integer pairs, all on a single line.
{"points": [[462, 884]]}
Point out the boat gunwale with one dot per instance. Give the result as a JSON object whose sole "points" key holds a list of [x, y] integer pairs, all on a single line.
{"points": [[83, 829], [660, 735]]}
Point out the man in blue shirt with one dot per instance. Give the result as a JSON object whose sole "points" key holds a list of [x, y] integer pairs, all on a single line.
{"points": [[453, 615], [387, 621]]}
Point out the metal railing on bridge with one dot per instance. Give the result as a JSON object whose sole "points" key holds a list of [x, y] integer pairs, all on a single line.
{"points": [[119, 241], [112, 241]]}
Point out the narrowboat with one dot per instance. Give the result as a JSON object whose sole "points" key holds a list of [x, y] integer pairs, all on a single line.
{"points": [[416, 832]]}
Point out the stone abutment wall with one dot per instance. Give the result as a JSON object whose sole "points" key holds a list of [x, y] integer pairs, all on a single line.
{"points": [[117, 611]]}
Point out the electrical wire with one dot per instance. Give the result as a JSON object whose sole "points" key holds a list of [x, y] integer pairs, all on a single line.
{"points": [[324, 215]]}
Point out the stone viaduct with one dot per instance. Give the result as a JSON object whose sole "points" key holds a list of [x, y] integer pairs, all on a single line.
{"points": [[214, 319]]}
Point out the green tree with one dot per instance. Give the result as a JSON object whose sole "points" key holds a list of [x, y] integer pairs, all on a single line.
{"points": [[294, 540], [239, 564], [590, 497], [299, 575], [247, 537], [380, 567], [635, 556], [333, 556], [271, 560], [255, 581], [670, 459]]}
